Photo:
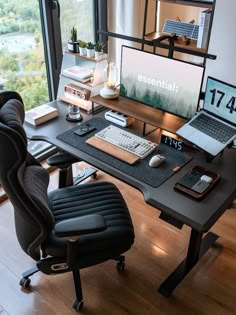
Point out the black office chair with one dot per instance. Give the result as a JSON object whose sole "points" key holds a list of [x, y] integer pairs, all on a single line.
{"points": [[61, 160], [68, 229]]}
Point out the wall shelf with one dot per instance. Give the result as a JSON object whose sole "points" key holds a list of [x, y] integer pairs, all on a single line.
{"points": [[144, 113], [100, 59], [197, 3], [73, 85], [151, 38], [155, 36], [191, 46]]}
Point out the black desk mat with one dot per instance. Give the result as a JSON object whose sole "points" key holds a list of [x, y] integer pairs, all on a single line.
{"points": [[141, 170]]}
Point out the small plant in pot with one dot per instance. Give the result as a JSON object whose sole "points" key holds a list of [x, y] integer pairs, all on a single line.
{"points": [[82, 48], [73, 43], [98, 49], [90, 50]]}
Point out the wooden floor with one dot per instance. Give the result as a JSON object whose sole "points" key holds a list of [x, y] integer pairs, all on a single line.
{"points": [[209, 289]]}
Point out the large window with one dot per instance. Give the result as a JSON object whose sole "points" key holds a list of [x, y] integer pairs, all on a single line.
{"points": [[22, 60], [78, 14], [32, 34], [24, 67]]}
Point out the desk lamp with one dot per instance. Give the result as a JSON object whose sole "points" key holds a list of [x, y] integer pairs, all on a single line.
{"points": [[109, 91]]}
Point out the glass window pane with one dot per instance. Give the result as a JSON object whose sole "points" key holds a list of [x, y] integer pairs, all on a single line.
{"points": [[22, 60], [78, 14]]}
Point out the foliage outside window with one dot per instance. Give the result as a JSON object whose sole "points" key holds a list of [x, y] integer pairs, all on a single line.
{"points": [[22, 63], [22, 60]]}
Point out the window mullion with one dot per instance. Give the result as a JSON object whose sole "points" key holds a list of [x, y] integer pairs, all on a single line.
{"points": [[50, 17]]}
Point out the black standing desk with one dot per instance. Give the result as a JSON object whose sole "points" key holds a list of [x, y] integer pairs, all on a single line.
{"points": [[176, 208]]}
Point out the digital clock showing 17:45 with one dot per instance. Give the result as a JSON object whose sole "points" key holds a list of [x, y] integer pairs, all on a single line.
{"points": [[171, 142]]}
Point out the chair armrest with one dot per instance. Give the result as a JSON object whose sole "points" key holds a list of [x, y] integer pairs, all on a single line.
{"points": [[78, 226], [62, 159]]}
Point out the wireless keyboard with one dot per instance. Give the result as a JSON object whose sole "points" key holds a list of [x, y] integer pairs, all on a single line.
{"points": [[181, 28], [127, 141]]}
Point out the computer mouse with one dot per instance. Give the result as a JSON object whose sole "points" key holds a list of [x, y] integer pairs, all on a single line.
{"points": [[156, 160]]}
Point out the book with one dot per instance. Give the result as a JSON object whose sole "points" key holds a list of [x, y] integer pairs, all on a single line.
{"points": [[40, 114], [204, 28], [79, 73]]}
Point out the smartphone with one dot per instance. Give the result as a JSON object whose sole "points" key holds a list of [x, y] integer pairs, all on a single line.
{"points": [[190, 179], [84, 129]]}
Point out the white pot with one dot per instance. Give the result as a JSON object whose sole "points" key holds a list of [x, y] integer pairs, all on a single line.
{"points": [[90, 53], [98, 54], [83, 51]]}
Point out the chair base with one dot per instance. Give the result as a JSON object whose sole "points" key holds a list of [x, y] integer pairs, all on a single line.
{"points": [[78, 302], [25, 280]]}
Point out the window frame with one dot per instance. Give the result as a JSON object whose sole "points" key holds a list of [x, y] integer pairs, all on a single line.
{"points": [[50, 21], [53, 51]]}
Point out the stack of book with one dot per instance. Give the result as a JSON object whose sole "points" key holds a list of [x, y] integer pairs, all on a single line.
{"points": [[204, 29], [40, 114], [79, 73]]}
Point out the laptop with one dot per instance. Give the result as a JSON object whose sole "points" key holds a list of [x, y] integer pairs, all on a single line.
{"points": [[214, 127]]}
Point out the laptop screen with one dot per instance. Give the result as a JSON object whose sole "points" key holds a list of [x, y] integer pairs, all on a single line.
{"points": [[220, 99]]}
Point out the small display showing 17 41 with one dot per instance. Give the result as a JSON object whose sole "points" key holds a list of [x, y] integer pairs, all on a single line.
{"points": [[218, 101]]}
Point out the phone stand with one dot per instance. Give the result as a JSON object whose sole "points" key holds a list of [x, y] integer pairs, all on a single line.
{"points": [[210, 157]]}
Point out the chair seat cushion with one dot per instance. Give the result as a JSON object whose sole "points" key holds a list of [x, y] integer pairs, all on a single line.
{"points": [[97, 197]]}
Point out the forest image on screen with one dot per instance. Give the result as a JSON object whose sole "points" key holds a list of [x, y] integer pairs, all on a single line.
{"points": [[167, 84]]}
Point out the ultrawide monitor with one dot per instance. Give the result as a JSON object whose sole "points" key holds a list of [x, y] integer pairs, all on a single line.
{"points": [[170, 85]]}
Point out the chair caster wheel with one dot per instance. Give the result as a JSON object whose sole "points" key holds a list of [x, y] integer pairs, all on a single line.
{"points": [[25, 283], [77, 305], [120, 266]]}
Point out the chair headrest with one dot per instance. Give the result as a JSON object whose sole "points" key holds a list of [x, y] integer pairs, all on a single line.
{"points": [[12, 115]]}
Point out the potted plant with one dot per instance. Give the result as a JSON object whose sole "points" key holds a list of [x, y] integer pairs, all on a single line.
{"points": [[98, 49], [73, 43], [90, 50], [82, 48]]}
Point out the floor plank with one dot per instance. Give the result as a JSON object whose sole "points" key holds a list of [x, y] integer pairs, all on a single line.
{"points": [[209, 289]]}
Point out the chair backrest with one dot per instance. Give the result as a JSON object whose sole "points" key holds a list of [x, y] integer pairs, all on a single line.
{"points": [[24, 180]]}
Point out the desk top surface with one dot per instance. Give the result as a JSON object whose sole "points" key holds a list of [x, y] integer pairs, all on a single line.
{"points": [[200, 215]]}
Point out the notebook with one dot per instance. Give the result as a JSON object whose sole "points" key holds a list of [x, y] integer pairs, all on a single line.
{"points": [[214, 127]]}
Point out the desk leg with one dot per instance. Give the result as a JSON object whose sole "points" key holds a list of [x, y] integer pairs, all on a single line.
{"points": [[196, 249]]}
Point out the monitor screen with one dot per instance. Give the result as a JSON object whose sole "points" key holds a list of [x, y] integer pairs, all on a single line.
{"points": [[220, 99], [170, 85]]}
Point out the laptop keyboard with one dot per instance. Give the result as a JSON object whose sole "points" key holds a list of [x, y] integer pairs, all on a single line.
{"points": [[213, 128]]}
